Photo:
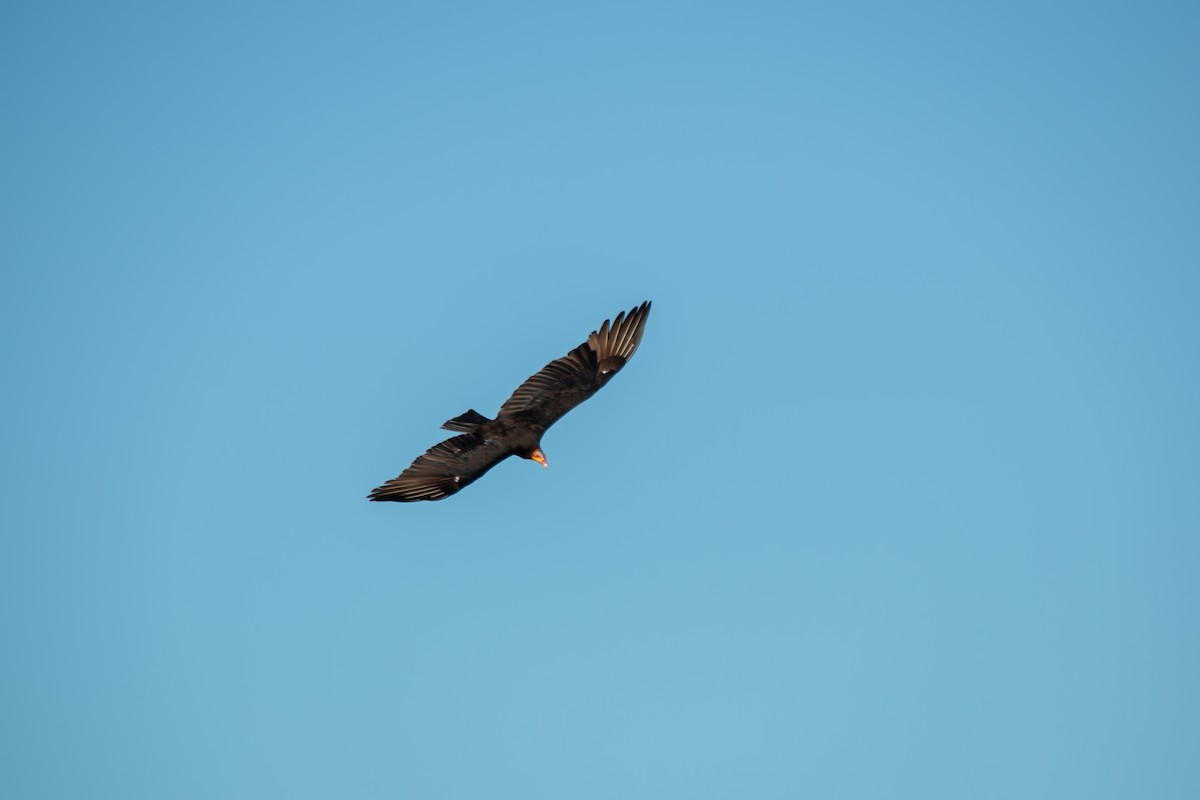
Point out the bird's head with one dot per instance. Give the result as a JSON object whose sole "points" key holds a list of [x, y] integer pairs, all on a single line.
{"points": [[538, 456]]}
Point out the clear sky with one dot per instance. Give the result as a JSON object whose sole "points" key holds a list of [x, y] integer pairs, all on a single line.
{"points": [[900, 497]]}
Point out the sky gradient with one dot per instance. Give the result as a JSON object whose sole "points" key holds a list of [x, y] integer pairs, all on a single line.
{"points": [[899, 498]]}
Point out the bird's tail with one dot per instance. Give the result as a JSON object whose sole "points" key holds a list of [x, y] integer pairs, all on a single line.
{"points": [[465, 422]]}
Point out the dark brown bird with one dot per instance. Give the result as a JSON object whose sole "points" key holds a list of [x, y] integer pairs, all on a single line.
{"points": [[517, 430]]}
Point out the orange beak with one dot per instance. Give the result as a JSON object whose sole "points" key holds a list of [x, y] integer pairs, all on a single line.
{"points": [[539, 457]]}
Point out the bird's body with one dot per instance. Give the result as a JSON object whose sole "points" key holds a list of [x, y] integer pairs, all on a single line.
{"points": [[517, 430]]}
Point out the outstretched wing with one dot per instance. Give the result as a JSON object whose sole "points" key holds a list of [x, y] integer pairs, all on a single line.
{"points": [[443, 470], [566, 382]]}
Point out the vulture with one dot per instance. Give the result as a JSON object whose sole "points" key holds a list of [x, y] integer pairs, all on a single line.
{"points": [[517, 430]]}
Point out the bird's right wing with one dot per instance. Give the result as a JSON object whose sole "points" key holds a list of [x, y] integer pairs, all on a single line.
{"points": [[566, 382], [443, 470]]}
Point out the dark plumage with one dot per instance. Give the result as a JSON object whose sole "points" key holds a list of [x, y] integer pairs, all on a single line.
{"points": [[517, 430]]}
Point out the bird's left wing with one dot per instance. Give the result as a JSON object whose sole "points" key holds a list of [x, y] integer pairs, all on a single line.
{"points": [[443, 470]]}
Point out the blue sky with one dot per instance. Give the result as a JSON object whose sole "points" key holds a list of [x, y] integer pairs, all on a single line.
{"points": [[899, 497]]}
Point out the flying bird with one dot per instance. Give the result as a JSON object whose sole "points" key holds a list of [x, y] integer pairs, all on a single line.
{"points": [[517, 430]]}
